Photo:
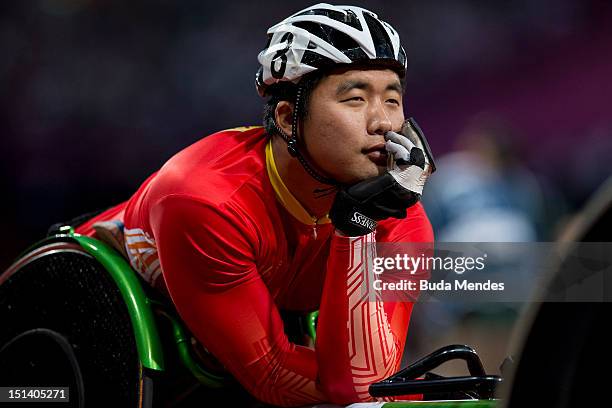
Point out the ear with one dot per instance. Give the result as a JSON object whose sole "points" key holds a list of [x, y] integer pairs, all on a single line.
{"points": [[283, 114]]}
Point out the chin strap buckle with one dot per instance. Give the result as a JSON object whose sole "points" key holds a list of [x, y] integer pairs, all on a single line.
{"points": [[292, 147]]}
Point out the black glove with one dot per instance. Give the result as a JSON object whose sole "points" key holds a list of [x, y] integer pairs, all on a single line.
{"points": [[357, 208]]}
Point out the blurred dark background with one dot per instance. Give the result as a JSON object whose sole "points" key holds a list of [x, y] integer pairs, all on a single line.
{"points": [[95, 95]]}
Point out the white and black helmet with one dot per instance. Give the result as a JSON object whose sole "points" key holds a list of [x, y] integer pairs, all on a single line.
{"points": [[325, 35]]}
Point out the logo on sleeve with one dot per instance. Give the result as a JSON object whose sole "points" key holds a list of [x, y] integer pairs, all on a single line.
{"points": [[363, 221]]}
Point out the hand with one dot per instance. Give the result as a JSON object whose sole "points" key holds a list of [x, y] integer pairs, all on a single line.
{"points": [[357, 208], [410, 159]]}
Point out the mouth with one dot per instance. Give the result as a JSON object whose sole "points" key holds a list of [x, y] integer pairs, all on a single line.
{"points": [[377, 154]]}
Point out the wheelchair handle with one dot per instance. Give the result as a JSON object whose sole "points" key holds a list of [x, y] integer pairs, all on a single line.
{"points": [[441, 356], [406, 381]]}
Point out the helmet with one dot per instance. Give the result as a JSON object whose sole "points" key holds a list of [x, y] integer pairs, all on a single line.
{"points": [[324, 35]]}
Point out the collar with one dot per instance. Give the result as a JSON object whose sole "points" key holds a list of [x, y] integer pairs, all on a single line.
{"points": [[291, 204]]}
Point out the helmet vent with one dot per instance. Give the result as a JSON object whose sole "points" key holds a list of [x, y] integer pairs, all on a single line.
{"points": [[382, 42], [350, 18]]}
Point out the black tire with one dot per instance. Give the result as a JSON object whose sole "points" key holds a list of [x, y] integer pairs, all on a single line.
{"points": [[565, 358], [64, 323]]}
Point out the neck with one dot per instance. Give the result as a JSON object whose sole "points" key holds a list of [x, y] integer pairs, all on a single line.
{"points": [[299, 182]]}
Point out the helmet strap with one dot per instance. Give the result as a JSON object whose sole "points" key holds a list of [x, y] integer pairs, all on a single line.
{"points": [[292, 142]]}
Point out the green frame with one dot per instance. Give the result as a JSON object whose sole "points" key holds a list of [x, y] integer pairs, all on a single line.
{"points": [[147, 338], [141, 309], [146, 334], [444, 404]]}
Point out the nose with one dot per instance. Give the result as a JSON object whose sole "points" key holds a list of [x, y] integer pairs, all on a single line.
{"points": [[378, 121]]}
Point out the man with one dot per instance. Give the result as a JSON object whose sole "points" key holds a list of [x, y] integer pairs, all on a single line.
{"points": [[250, 221]]}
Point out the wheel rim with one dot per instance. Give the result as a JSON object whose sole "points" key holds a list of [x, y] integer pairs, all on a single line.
{"points": [[42, 357]]}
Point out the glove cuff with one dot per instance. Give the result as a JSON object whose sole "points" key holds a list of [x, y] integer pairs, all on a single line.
{"points": [[346, 217]]}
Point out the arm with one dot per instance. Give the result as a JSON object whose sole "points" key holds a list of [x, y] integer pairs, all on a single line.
{"points": [[211, 274], [360, 338]]}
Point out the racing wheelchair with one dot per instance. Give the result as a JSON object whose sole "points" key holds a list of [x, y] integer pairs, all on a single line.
{"points": [[75, 314]]}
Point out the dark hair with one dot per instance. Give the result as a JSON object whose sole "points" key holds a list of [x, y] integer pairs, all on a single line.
{"points": [[286, 91]]}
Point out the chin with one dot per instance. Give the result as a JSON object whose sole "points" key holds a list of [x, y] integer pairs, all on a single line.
{"points": [[365, 174], [358, 172]]}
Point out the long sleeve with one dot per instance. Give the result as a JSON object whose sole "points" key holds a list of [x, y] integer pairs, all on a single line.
{"points": [[212, 278], [360, 338]]}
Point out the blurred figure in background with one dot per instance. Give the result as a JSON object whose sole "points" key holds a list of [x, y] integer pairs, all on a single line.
{"points": [[483, 192]]}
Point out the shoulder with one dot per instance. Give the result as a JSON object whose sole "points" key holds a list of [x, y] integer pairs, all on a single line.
{"points": [[216, 184], [416, 227], [214, 168], [200, 220]]}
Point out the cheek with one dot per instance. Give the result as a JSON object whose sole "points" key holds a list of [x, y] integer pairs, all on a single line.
{"points": [[398, 119], [336, 142], [332, 124]]}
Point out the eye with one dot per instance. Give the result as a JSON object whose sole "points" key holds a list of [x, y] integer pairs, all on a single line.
{"points": [[354, 98], [393, 101]]}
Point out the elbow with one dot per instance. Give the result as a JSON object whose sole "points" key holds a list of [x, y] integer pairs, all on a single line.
{"points": [[341, 393], [270, 392], [353, 387], [350, 392]]}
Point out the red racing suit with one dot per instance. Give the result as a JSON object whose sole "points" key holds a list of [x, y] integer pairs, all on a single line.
{"points": [[217, 228]]}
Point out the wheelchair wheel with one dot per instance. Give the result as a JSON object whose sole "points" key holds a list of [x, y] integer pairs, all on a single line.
{"points": [[65, 324], [564, 359]]}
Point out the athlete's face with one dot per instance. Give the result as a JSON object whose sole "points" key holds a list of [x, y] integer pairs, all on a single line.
{"points": [[349, 113]]}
